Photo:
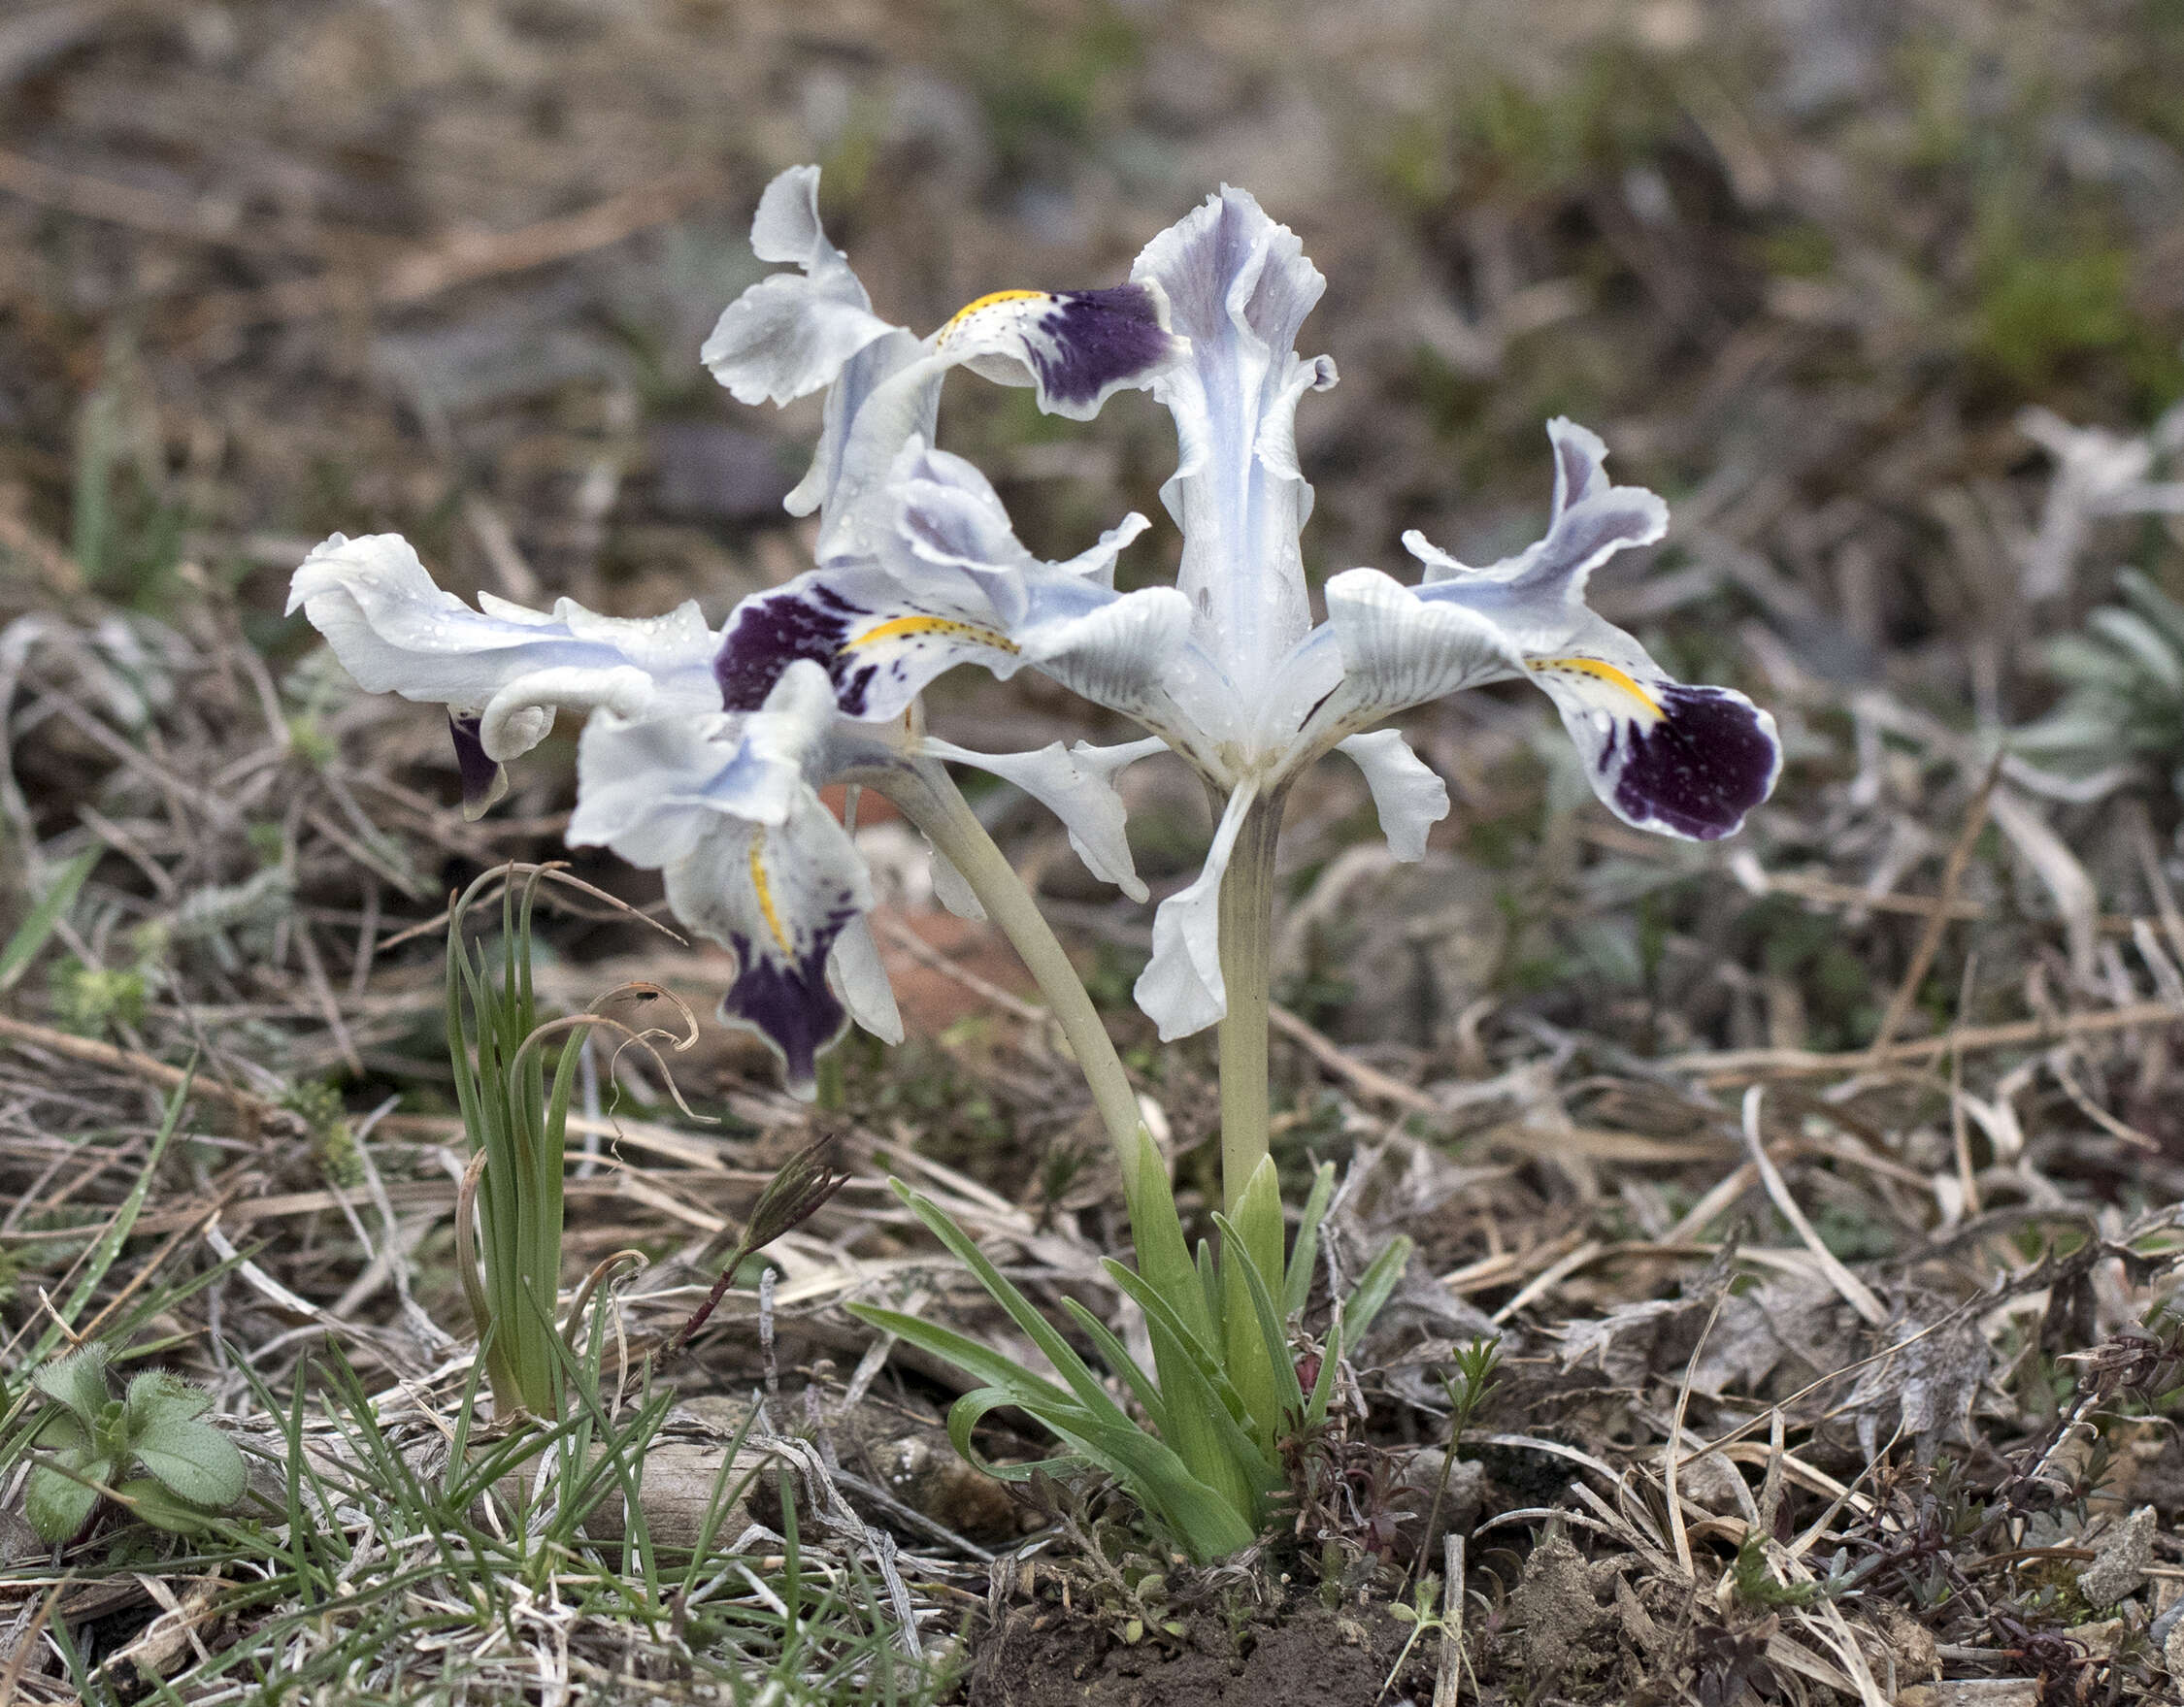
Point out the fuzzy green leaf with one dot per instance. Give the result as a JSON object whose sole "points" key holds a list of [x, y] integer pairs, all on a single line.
{"points": [[195, 1461], [156, 1396], [79, 1382], [58, 1506], [149, 1502]]}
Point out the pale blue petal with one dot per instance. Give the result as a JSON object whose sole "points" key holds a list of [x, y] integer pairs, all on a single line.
{"points": [[1409, 797], [791, 333], [395, 631], [1239, 286], [1181, 988], [1074, 784]]}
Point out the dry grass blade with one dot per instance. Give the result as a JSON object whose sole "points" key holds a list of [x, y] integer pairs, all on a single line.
{"points": [[1855, 1292], [1938, 921]]}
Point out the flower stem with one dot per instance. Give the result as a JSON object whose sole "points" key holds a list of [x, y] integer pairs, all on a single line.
{"points": [[1246, 970], [937, 807]]}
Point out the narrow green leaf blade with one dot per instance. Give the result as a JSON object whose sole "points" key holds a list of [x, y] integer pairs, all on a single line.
{"points": [[1273, 1338], [1297, 1281], [1374, 1287], [31, 934]]}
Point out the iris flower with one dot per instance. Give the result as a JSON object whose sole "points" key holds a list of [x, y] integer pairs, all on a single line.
{"points": [[704, 748], [1228, 668]]}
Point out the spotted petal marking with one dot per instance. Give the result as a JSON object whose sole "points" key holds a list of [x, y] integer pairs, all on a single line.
{"points": [[1664, 756], [779, 897], [724, 805], [1077, 348]]}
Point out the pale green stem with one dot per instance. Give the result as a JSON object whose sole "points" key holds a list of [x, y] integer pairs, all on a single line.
{"points": [[1247, 969], [939, 808]]}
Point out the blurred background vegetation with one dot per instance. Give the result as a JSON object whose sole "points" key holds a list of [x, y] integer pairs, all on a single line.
{"points": [[272, 270]]}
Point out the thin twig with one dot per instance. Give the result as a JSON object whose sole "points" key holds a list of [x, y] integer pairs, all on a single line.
{"points": [[1729, 1066]]}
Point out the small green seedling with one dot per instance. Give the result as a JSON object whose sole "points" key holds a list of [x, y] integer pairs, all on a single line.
{"points": [[191, 1470]]}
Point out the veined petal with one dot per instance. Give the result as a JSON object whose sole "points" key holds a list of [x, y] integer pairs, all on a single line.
{"points": [[651, 789], [861, 978], [1681, 760], [1074, 784], [1076, 347], [955, 586], [916, 412], [1239, 287], [880, 644], [1181, 988], [778, 896], [791, 333], [1590, 521], [1409, 798], [1401, 647], [394, 631]]}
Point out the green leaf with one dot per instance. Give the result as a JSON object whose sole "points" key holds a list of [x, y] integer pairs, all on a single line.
{"points": [[1273, 1339], [1205, 1521], [149, 1502], [156, 1396], [195, 1461], [1297, 1282], [79, 1382], [1204, 1408], [1117, 1358], [1051, 1345], [1323, 1389], [1251, 1238], [30, 935], [968, 1355], [1374, 1287], [1163, 1257], [969, 1411], [57, 1505]]}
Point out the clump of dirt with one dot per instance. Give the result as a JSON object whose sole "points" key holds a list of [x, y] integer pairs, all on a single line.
{"points": [[1295, 1655]]}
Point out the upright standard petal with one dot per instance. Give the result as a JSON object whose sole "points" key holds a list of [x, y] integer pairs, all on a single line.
{"points": [[501, 671], [1182, 989], [1239, 286], [791, 333]]}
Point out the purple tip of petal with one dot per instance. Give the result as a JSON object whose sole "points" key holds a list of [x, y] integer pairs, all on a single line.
{"points": [[1101, 338], [484, 779], [1702, 768], [771, 632], [789, 1004]]}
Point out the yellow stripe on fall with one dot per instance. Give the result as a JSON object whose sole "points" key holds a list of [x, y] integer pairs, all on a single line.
{"points": [[986, 302], [766, 891], [910, 627], [1601, 672]]}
